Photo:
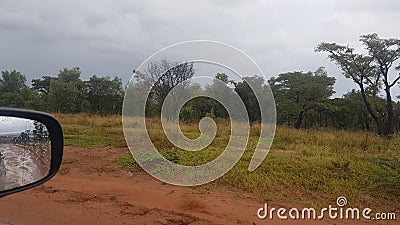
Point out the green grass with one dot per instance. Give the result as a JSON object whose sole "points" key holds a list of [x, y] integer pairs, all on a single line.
{"points": [[85, 130], [303, 166], [128, 163]]}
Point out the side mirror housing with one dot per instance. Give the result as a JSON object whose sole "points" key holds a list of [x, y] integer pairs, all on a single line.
{"points": [[31, 148]]}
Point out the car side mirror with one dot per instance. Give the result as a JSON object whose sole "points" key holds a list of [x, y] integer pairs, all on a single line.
{"points": [[31, 148]]}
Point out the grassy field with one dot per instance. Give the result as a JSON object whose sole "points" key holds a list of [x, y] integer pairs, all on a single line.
{"points": [[303, 166]]}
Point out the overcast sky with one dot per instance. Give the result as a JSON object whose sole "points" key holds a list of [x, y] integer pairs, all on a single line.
{"points": [[10, 125], [106, 37]]}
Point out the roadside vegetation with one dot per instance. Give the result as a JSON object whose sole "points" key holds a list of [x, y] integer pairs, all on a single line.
{"points": [[89, 130], [304, 166]]}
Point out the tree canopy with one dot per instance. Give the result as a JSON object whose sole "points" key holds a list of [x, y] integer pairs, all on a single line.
{"points": [[298, 93]]}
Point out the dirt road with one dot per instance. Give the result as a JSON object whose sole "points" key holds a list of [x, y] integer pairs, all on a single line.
{"points": [[22, 165], [92, 189]]}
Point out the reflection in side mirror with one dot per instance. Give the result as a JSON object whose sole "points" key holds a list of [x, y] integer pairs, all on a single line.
{"points": [[25, 152], [31, 146]]}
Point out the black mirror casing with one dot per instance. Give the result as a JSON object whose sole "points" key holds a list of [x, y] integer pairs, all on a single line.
{"points": [[56, 138]]}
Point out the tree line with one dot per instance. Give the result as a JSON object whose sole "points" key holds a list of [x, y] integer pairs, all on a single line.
{"points": [[303, 99], [64, 93]]}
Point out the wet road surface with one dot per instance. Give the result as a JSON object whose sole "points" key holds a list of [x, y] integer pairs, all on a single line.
{"points": [[22, 166]]}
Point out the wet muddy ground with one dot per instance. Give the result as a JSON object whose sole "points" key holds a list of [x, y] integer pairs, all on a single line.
{"points": [[22, 165]]}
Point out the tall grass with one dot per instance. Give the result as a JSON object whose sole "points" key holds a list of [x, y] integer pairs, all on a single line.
{"points": [[303, 166]]}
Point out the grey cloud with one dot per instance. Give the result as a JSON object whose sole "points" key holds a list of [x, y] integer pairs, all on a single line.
{"points": [[113, 37]]}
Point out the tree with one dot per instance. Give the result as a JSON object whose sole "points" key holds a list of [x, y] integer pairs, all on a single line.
{"points": [[161, 78], [105, 95], [198, 108], [298, 93], [350, 112], [248, 96], [222, 77], [70, 75], [40, 132], [12, 82], [63, 97], [42, 85], [13, 100], [370, 72], [219, 90], [67, 91], [13, 90], [41, 89]]}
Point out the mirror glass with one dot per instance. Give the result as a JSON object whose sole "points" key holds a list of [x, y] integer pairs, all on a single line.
{"points": [[25, 152]]}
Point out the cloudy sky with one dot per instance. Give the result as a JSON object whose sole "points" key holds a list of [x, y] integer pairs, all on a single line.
{"points": [[106, 37], [10, 125]]}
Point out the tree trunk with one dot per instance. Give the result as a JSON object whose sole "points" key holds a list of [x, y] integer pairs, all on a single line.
{"points": [[389, 107], [379, 123], [299, 120]]}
